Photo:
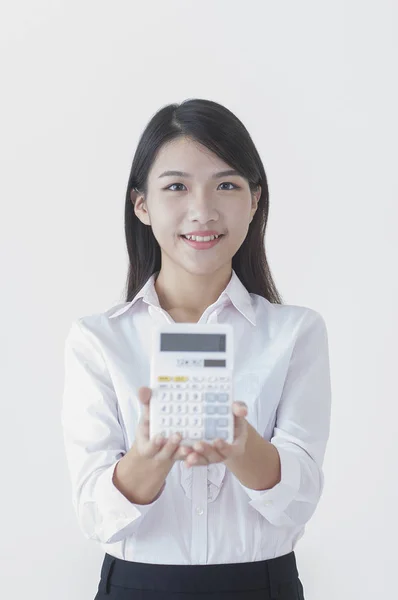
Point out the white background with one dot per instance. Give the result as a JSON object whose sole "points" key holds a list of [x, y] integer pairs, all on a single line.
{"points": [[315, 83]]}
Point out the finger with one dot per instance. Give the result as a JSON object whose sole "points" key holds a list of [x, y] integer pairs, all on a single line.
{"points": [[239, 409], [207, 454], [195, 460], [153, 446], [170, 447], [144, 394], [182, 452]]}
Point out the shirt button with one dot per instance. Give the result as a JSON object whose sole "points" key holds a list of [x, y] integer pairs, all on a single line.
{"points": [[199, 510]]}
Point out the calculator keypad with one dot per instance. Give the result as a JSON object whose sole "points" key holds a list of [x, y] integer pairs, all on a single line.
{"points": [[196, 407]]}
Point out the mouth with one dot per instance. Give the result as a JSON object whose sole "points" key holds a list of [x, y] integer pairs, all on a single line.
{"points": [[202, 244]]}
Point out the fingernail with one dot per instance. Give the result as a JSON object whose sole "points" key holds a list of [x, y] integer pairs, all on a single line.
{"points": [[175, 438]]}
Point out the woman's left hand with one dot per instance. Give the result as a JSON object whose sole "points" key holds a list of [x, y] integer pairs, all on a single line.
{"points": [[219, 450]]}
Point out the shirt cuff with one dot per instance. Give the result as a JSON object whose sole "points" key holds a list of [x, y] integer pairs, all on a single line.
{"points": [[116, 511], [272, 503]]}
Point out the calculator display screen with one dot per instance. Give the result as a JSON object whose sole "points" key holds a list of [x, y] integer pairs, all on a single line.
{"points": [[192, 342]]}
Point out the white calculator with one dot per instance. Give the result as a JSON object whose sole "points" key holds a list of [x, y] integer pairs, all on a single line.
{"points": [[191, 381]]}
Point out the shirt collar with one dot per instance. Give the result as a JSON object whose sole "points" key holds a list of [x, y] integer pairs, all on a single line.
{"points": [[234, 292]]}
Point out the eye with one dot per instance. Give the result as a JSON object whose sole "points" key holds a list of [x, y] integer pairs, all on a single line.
{"points": [[170, 186], [224, 183], [229, 183]]}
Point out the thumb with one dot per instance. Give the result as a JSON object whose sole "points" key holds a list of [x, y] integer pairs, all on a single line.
{"points": [[144, 395]]}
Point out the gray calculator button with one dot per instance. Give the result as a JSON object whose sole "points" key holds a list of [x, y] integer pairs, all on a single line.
{"points": [[210, 397], [222, 422], [222, 433], [222, 410], [210, 409], [210, 428], [223, 397]]}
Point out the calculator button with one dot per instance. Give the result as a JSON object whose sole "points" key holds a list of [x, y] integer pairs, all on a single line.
{"points": [[195, 409], [195, 421], [165, 421], [195, 386], [223, 397], [197, 378], [165, 409], [195, 434], [224, 386], [212, 378], [180, 409], [180, 396], [210, 397], [164, 396], [222, 410], [180, 421], [222, 422], [222, 433], [212, 386], [178, 386], [194, 396], [210, 429], [210, 409]]}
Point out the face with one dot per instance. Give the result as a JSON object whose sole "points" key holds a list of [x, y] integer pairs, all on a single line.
{"points": [[200, 201]]}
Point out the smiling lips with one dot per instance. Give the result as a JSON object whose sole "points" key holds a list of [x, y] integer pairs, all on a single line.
{"points": [[200, 243]]}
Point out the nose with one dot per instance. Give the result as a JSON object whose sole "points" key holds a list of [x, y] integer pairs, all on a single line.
{"points": [[201, 207]]}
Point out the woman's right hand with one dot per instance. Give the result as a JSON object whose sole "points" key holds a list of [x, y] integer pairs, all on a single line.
{"points": [[161, 449]]}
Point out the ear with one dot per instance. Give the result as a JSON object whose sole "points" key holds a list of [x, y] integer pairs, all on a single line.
{"points": [[255, 198], [140, 207]]}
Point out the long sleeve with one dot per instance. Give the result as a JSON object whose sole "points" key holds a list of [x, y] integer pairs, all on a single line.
{"points": [[94, 441], [301, 429]]}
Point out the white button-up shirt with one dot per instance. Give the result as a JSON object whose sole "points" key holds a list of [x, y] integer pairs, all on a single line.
{"points": [[204, 515]]}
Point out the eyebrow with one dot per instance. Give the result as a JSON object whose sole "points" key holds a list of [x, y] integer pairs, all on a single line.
{"points": [[214, 176]]}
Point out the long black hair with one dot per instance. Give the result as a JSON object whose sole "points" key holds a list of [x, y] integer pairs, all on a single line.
{"points": [[219, 130]]}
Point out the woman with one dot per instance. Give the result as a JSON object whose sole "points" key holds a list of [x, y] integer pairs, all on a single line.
{"points": [[210, 520]]}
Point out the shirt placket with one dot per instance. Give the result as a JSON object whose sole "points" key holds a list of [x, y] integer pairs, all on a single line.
{"points": [[200, 490], [200, 482]]}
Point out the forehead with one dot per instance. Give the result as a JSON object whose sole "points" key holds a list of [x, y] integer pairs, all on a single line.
{"points": [[188, 155]]}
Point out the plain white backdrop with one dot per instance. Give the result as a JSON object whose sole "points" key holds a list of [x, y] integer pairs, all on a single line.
{"points": [[315, 83]]}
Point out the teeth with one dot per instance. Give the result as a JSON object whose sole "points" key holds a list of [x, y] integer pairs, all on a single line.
{"points": [[198, 238]]}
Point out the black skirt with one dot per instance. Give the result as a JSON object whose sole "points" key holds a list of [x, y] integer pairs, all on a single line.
{"points": [[273, 579]]}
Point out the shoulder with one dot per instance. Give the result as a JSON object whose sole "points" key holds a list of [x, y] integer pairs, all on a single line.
{"points": [[291, 318], [264, 307], [98, 325]]}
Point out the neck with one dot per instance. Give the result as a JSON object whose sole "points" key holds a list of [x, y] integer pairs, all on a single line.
{"points": [[187, 295]]}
